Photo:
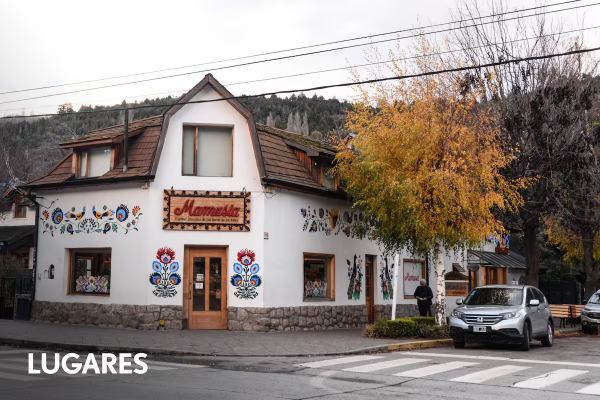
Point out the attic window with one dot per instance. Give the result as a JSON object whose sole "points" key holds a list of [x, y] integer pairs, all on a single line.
{"points": [[94, 162], [207, 151], [20, 207]]}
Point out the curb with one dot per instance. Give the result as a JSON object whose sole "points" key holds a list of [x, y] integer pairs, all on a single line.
{"points": [[38, 344]]}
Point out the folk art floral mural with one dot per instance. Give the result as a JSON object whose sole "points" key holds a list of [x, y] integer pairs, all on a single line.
{"points": [[165, 276], [315, 289], [386, 276], [245, 278], [91, 284], [350, 223], [355, 274], [104, 220]]}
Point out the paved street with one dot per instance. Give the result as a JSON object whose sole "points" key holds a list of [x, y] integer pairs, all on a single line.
{"points": [[569, 370]]}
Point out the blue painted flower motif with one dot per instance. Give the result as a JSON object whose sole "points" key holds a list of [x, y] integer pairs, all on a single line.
{"points": [[174, 279], [174, 267], [313, 227], [236, 280], [106, 228], [57, 216], [237, 268], [155, 278], [303, 211], [156, 266], [254, 269], [70, 229], [122, 213], [255, 280]]}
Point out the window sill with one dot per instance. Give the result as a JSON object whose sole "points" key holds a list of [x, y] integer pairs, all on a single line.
{"points": [[89, 294], [316, 299]]}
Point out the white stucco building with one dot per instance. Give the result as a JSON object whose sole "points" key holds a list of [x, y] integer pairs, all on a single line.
{"points": [[217, 223]]}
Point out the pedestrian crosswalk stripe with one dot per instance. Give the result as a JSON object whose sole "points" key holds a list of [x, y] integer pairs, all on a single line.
{"points": [[482, 376], [15, 377], [385, 364], [168, 364], [24, 368], [542, 381], [338, 361], [592, 389], [512, 360], [50, 364], [18, 351], [435, 369]]}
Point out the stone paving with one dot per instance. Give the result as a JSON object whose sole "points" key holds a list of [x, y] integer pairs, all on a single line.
{"points": [[195, 342]]}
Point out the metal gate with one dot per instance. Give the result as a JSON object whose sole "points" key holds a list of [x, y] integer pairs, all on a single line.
{"points": [[9, 287]]}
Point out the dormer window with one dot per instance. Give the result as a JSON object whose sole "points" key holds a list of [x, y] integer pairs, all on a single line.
{"points": [[94, 162], [20, 207], [327, 178]]}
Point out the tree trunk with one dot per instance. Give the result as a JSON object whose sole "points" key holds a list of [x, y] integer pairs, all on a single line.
{"points": [[591, 267], [440, 285], [532, 254]]}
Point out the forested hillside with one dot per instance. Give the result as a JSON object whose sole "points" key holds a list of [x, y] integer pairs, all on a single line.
{"points": [[29, 145]]}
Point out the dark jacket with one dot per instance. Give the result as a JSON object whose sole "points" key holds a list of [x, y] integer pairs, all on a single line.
{"points": [[424, 292]]}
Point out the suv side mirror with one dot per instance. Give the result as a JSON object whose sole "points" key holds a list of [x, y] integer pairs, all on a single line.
{"points": [[534, 302], [459, 301], [584, 302]]}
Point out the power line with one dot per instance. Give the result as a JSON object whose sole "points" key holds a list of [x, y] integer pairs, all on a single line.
{"points": [[333, 69], [284, 57], [291, 49], [347, 84]]}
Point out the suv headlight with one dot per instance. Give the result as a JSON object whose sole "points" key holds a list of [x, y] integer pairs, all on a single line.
{"points": [[585, 312], [511, 315], [457, 314]]}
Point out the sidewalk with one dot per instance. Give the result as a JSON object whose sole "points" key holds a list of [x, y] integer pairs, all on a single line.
{"points": [[191, 342]]}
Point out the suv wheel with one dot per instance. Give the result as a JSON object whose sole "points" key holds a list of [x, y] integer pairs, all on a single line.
{"points": [[585, 328], [549, 338], [459, 345], [526, 337]]}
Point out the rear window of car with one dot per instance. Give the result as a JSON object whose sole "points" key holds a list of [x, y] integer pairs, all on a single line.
{"points": [[495, 297]]}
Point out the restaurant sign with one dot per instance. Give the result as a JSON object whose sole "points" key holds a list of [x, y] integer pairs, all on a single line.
{"points": [[205, 210]]}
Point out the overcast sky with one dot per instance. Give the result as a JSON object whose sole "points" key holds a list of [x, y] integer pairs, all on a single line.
{"points": [[47, 43]]}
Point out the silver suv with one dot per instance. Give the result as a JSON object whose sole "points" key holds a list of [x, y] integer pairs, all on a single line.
{"points": [[507, 314], [590, 315]]}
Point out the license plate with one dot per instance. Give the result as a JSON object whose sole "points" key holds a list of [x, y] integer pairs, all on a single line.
{"points": [[480, 329]]}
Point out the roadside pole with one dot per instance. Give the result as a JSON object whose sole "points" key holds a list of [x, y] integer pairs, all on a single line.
{"points": [[394, 300]]}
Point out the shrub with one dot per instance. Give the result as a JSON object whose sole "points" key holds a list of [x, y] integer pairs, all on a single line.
{"points": [[422, 327]]}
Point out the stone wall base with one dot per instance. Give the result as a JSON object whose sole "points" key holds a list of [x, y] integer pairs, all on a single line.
{"points": [[308, 318], [384, 311], [110, 315]]}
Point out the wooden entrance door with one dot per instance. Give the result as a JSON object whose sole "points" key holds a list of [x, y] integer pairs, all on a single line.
{"points": [[206, 273], [369, 290]]}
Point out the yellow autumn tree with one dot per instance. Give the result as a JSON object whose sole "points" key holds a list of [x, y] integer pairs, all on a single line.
{"points": [[426, 161]]}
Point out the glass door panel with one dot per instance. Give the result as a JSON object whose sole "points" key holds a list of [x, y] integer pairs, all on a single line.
{"points": [[198, 281], [214, 302]]}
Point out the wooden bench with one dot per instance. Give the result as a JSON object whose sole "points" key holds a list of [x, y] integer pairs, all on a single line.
{"points": [[576, 312], [562, 311]]}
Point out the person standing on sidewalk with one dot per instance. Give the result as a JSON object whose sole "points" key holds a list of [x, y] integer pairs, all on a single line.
{"points": [[424, 295]]}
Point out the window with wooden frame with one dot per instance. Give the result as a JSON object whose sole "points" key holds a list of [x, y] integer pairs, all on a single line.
{"points": [[93, 162], [89, 271], [414, 271], [207, 151], [20, 207], [328, 180], [318, 277]]}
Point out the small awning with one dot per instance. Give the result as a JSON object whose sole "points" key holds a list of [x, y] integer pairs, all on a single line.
{"points": [[12, 237], [510, 260]]}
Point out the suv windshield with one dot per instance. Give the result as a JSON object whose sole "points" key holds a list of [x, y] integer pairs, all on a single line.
{"points": [[595, 299], [495, 297]]}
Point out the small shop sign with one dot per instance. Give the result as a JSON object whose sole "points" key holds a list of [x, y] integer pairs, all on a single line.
{"points": [[457, 288], [206, 210]]}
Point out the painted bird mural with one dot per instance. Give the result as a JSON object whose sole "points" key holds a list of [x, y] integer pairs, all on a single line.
{"points": [[78, 216], [100, 215]]}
